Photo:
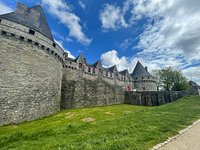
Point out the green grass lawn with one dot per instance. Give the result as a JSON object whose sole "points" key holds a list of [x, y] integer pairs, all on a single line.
{"points": [[117, 127]]}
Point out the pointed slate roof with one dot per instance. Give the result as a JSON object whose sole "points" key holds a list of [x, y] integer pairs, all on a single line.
{"points": [[98, 63], [140, 71], [32, 17], [80, 59], [113, 68], [124, 72]]}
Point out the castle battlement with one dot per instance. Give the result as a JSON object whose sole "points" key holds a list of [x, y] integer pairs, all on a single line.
{"points": [[37, 78], [35, 38]]}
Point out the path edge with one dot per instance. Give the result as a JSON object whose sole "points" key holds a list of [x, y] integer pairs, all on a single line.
{"points": [[158, 146]]}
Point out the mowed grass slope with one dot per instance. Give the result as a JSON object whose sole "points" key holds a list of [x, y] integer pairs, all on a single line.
{"points": [[117, 127]]}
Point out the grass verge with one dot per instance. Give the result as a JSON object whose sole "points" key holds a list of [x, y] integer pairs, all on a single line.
{"points": [[117, 127]]}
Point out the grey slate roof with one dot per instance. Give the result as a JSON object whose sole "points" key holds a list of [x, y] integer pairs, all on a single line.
{"points": [[140, 71], [124, 72], [29, 19], [112, 68]]}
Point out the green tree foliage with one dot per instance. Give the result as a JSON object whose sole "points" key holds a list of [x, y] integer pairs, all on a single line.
{"points": [[171, 79]]}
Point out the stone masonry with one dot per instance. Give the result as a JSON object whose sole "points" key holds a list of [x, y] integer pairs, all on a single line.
{"points": [[37, 78]]}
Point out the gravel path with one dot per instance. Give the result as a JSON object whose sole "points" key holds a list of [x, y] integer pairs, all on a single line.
{"points": [[190, 140]]}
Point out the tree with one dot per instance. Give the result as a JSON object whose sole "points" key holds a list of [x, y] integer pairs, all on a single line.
{"points": [[171, 79], [180, 82]]}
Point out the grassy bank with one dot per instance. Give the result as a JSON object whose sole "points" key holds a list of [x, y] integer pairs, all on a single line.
{"points": [[117, 127]]}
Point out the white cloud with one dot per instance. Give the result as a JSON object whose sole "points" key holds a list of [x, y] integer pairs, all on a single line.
{"points": [[126, 44], [193, 73], [62, 11], [112, 17], [60, 43], [172, 33], [111, 58], [81, 4], [4, 8]]}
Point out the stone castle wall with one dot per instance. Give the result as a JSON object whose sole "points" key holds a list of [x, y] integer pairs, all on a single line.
{"points": [[30, 74], [152, 98], [36, 81], [81, 90]]}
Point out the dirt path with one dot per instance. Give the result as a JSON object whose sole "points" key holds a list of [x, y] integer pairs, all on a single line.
{"points": [[190, 140]]}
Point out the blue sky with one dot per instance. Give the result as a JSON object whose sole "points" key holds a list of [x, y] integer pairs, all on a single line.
{"points": [[159, 33]]}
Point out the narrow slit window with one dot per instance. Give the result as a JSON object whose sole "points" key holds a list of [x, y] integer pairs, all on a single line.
{"points": [[12, 34], [21, 38], [29, 41], [3, 32], [31, 32]]}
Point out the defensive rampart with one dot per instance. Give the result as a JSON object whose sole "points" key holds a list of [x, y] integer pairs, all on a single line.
{"points": [[152, 98], [30, 74]]}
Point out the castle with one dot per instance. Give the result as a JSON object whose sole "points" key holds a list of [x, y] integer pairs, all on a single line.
{"points": [[37, 78]]}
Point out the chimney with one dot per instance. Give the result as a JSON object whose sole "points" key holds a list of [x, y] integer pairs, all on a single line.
{"points": [[146, 68]]}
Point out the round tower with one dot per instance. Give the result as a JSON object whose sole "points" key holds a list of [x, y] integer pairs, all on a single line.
{"points": [[142, 79], [30, 66]]}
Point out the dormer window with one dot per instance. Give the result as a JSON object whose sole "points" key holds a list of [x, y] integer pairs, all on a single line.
{"points": [[80, 65], [93, 71], [31, 32], [89, 69]]}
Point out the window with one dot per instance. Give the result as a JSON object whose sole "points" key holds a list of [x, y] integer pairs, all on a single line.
{"points": [[106, 73], [21, 38], [93, 71], [54, 45], [111, 74], [89, 69], [0, 20], [142, 77], [3, 32], [148, 77], [36, 43], [42, 46], [80, 65], [12, 34], [31, 32], [29, 41]]}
